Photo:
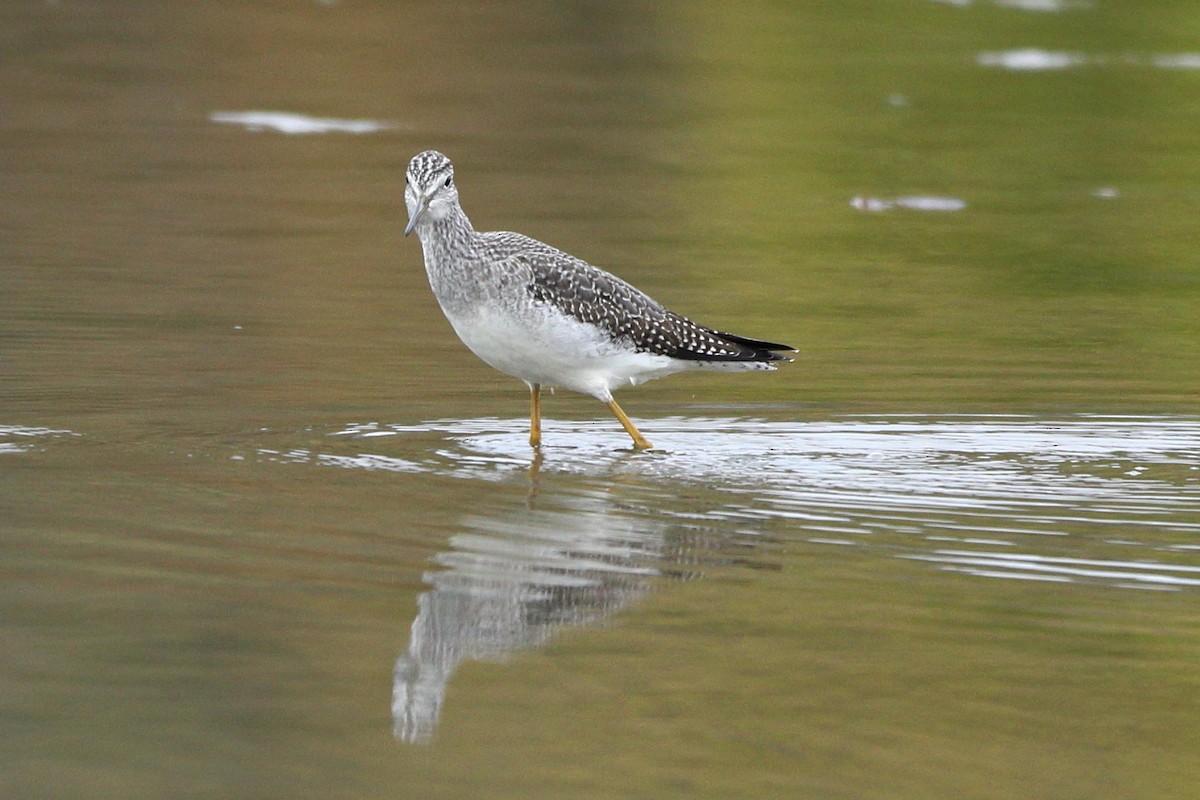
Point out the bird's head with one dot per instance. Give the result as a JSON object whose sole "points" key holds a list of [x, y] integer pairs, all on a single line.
{"points": [[429, 190]]}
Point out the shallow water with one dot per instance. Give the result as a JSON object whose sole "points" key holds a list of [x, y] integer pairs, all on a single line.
{"points": [[298, 573], [267, 530], [986, 496]]}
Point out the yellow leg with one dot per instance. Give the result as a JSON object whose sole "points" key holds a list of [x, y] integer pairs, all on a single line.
{"points": [[639, 441], [535, 414]]}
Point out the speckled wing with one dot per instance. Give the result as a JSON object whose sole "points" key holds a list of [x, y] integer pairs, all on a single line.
{"points": [[590, 294]]}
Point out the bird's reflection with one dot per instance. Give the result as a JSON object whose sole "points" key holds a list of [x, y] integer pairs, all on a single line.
{"points": [[510, 582], [535, 470]]}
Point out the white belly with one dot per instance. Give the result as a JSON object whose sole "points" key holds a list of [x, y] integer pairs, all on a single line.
{"points": [[559, 351]]}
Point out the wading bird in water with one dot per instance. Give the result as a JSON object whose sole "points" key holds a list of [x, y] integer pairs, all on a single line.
{"points": [[549, 318]]}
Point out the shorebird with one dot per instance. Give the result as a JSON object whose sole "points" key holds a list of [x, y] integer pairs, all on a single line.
{"points": [[549, 318]]}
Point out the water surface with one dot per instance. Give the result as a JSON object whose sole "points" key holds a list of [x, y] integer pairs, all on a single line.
{"points": [[267, 530]]}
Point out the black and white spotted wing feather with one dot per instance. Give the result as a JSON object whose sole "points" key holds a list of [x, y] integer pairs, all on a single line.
{"points": [[589, 294]]}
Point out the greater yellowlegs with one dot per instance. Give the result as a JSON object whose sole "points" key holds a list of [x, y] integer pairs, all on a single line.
{"points": [[549, 318]]}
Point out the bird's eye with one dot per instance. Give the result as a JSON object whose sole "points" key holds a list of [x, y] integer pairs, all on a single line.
{"points": [[447, 183]]}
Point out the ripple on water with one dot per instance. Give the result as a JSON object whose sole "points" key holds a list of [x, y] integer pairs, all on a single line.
{"points": [[21, 438], [918, 483]]}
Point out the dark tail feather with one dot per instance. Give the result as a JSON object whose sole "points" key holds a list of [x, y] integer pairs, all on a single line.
{"points": [[748, 349], [760, 350]]}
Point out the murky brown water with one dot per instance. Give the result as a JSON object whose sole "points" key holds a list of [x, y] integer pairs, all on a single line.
{"points": [[269, 530]]}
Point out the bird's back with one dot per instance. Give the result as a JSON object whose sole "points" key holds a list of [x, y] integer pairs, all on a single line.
{"points": [[589, 294]]}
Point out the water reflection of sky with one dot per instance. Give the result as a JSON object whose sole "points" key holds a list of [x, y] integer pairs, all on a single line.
{"points": [[1043, 6], [297, 124], [1109, 501], [1031, 59]]}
